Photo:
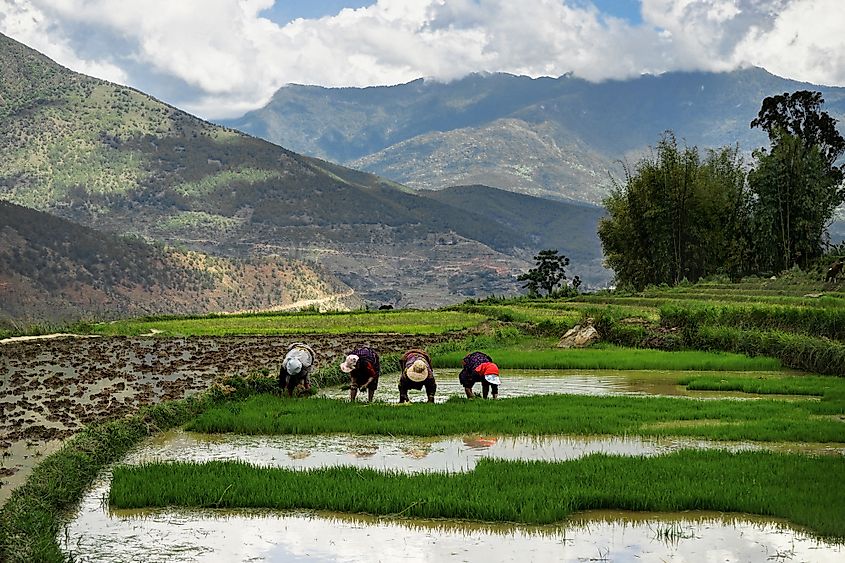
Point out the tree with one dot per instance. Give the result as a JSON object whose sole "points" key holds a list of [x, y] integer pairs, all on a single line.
{"points": [[548, 274], [677, 216], [796, 184], [799, 114]]}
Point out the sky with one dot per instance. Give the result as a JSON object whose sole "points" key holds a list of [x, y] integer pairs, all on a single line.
{"points": [[222, 58]]}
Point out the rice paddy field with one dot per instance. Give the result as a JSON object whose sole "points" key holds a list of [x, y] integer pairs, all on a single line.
{"points": [[403, 322], [707, 424]]}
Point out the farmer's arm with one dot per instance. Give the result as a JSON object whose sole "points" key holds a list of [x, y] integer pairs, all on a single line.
{"points": [[372, 375]]}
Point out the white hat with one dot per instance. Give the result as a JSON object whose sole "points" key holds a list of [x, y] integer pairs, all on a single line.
{"points": [[349, 363], [493, 378], [418, 371], [294, 366]]}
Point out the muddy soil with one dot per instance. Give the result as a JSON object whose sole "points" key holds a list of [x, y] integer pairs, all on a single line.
{"points": [[50, 388]]}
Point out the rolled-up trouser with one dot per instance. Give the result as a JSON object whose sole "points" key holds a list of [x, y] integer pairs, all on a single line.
{"points": [[405, 385]]}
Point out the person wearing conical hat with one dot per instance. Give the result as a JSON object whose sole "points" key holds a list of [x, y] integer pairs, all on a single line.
{"points": [[296, 368], [479, 367], [364, 369], [416, 374]]}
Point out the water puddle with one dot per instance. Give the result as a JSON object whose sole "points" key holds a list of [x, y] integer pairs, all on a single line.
{"points": [[414, 454], [518, 383], [97, 535]]}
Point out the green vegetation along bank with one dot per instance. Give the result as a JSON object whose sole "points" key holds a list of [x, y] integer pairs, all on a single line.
{"points": [[806, 490]]}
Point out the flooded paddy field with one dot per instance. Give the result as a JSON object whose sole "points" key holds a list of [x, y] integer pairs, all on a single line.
{"points": [[75, 382], [415, 454], [51, 388], [98, 535], [524, 382]]}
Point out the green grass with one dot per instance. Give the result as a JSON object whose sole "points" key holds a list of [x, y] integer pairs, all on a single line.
{"points": [[762, 419], [806, 490], [404, 322], [796, 385], [798, 351], [658, 299], [612, 357], [814, 321]]}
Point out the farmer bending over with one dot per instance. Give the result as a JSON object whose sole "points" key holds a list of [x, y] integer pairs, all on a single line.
{"points": [[296, 367], [363, 367], [478, 366], [416, 374]]}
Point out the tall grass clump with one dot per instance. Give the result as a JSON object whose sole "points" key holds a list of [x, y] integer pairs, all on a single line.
{"points": [[803, 320], [816, 355], [806, 490]]}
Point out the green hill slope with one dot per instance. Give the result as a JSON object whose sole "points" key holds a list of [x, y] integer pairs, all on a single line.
{"points": [[55, 271], [115, 159]]}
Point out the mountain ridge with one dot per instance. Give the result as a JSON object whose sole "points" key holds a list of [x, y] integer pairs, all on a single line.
{"points": [[114, 159], [418, 133]]}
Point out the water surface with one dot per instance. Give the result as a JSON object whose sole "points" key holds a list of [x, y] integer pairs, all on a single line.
{"points": [[518, 383], [415, 454]]}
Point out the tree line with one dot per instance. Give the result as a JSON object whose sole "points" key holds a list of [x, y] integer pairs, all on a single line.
{"points": [[681, 214]]}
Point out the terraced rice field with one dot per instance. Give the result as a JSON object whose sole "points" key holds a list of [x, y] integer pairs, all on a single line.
{"points": [[202, 530], [727, 443]]}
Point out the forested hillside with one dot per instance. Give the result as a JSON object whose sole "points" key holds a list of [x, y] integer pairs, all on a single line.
{"points": [[54, 271]]}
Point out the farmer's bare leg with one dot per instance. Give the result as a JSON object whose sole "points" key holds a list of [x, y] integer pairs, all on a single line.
{"points": [[485, 388], [468, 391], [430, 389], [353, 391], [370, 393]]}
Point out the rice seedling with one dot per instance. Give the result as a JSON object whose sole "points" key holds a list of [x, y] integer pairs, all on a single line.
{"points": [[612, 357], [806, 490], [658, 299], [796, 385], [761, 420]]}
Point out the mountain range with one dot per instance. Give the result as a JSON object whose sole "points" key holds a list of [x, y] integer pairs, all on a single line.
{"points": [[111, 158], [562, 138]]}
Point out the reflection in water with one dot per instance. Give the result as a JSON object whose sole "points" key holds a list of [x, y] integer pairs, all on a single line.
{"points": [[176, 536], [413, 454], [517, 383], [363, 449], [479, 442]]}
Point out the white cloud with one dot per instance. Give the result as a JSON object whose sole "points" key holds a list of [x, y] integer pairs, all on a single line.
{"points": [[221, 57], [21, 20]]}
